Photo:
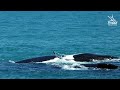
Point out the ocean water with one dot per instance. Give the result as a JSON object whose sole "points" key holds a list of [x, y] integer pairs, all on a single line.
{"points": [[28, 34]]}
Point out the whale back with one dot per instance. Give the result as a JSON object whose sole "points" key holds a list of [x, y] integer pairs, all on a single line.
{"points": [[102, 66], [89, 57], [37, 59]]}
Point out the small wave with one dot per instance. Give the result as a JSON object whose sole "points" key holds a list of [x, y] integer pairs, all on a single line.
{"points": [[11, 61], [67, 67], [73, 67]]}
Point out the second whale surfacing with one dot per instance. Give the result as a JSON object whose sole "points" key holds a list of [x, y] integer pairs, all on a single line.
{"points": [[89, 57], [85, 57]]}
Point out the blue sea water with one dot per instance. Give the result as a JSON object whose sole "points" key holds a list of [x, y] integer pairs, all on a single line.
{"points": [[28, 34]]}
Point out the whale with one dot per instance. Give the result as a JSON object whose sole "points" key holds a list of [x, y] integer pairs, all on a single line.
{"points": [[101, 66], [77, 57], [89, 57], [86, 57], [37, 59]]}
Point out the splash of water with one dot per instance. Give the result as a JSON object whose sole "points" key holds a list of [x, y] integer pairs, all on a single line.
{"points": [[11, 61], [68, 63]]}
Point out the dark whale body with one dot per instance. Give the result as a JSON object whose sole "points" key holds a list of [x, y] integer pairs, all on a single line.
{"points": [[79, 57], [37, 59], [102, 66], [89, 57]]}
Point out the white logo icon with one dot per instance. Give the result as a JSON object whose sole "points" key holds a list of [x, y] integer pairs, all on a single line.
{"points": [[112, 21]]}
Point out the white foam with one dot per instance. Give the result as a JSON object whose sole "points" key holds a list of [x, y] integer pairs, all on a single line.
{"points": [[74, 67], [65, 59], [67, 67], [11, 61], [68, 57], [67, 63]]}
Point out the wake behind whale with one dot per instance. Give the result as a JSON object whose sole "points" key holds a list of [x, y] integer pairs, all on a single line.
{"points": [[82, 59]]}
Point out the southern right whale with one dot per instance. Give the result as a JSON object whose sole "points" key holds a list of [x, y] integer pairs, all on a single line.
{"points": [[102, 66], [37, 59], [88, 57], [78, 57]]}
